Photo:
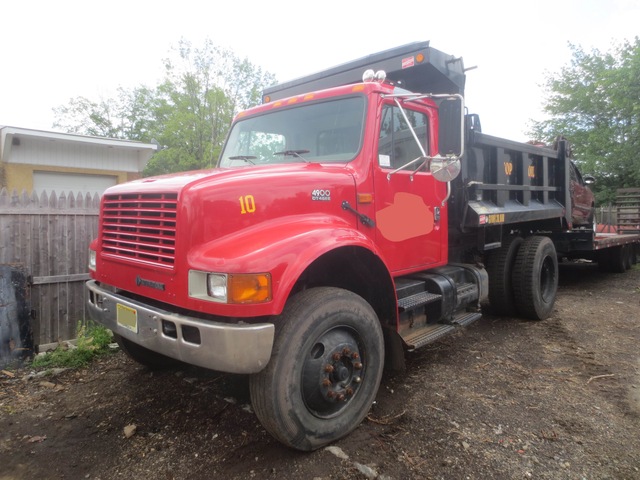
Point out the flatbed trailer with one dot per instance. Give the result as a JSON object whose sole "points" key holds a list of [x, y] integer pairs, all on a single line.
{"points": [[608, 240]]}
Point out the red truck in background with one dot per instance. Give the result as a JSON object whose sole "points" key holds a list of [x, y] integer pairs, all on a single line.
{"points": [[349, 219]]}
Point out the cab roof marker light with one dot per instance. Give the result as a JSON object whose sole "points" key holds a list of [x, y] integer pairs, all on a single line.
{"points": [[368, 75]]}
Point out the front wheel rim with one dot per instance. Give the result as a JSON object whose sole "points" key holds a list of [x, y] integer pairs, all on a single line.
{"points": [[333, 372]]}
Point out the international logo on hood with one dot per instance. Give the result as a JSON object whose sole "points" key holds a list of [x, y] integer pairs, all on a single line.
{"points": [[143, 282]]}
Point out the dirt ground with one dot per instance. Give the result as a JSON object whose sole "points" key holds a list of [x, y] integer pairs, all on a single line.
{"points": [[505, 398]]}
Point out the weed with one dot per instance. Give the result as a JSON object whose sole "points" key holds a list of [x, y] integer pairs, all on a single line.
{"points": [[91, 342]]}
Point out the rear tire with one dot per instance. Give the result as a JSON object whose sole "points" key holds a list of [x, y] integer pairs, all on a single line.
{"points": [[617, 260], [144, 356], [628, 252], [500, 264], [603, 258], [324, 371], [535, 278]]}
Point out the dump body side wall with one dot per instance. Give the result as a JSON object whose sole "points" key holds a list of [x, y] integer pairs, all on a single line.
{"points": [[507, 185]]}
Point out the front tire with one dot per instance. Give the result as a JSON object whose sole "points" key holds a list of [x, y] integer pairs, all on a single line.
{"points": [[324, 371], [535, 278]]}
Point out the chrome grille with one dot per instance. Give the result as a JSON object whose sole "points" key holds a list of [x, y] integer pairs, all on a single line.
{"points": [[140, 227]]}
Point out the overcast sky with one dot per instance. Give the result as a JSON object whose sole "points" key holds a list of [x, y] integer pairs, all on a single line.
{"points": [[52, 51]]}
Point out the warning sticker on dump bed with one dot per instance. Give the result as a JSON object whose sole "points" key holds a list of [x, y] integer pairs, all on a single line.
{"points": [[408, 62], [493, 218]]}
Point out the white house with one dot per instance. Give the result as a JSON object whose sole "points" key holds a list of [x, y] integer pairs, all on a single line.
{"points": [[37, 160]]}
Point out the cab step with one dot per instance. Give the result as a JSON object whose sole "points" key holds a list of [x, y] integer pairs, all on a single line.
{"points": [[466, 318], [432, 332], [417, 300]]}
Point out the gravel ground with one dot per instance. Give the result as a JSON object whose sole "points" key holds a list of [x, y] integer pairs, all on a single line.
{"points": [[505, 398]]}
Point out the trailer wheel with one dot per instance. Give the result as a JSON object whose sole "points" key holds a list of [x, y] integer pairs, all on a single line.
{"points": [[603, 257], [617, 259], [144, 356], [628, 252], [535, 278], [500, 264], [324, 371]]}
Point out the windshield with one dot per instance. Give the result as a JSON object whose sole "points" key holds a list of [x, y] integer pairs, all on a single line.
{"points": [[329, 131]]}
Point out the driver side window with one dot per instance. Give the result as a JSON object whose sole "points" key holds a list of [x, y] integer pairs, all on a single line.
{"points": [[396, 144]]}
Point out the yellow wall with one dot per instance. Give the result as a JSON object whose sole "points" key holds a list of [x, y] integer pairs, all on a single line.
{"points": [[19, 177]]}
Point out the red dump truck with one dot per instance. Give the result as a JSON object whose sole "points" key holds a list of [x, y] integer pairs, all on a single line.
{"points": [[354, 215]]}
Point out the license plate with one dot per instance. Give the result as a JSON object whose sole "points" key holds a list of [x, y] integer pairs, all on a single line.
{"points": [[128, 318]]}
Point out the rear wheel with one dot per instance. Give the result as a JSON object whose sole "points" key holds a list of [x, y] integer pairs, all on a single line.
{"points": [[144, 356], [535, 278], [628, 252], [603, 258], [499, 268], [618, 259], [324, 371]]}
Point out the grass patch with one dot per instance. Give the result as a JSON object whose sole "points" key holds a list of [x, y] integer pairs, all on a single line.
{"points": [[92, 341]]}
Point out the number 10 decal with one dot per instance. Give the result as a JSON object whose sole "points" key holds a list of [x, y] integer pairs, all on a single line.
{"points": [[247, 204]]}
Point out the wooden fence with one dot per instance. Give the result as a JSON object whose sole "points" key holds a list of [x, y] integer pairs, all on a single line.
{"points": [[49, 236]]}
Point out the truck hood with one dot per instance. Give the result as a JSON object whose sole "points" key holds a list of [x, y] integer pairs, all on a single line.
{"points": [[226, 202], [176, 182]]}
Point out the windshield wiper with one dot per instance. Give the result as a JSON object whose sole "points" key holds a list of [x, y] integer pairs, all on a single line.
{"points": [[294, 153], [246, 158]]}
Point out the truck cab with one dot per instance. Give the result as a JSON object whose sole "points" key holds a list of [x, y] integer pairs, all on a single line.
{"points": [[376, 136]]}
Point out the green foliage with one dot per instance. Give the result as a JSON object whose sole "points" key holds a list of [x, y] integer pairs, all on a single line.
{"points": [[594, 102], [188, 113], [91, 342]]}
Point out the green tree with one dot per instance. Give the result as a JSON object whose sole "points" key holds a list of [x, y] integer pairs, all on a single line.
{"points": [[127, 116], [595, 103], [188, 113]]}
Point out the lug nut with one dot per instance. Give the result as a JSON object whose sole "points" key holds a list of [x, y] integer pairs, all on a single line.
{"points": [[349, 391], [357, 379], [331, 394], [326, 382], [357, 366], [328, 368], [341, 397], [336, 357], [355, 355], [346, 352]]}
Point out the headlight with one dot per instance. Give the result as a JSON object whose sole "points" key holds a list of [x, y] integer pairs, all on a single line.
{"points": [[230, 288], [217, 286], [92, 260]]}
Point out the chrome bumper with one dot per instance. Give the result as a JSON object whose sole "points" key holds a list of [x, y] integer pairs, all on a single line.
{"points": [[234, 348]]}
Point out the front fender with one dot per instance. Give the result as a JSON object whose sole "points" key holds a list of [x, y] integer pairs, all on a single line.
{"points": [[284, 247]]}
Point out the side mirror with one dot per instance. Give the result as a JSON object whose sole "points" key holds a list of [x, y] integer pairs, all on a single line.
{"points": [[451, 129]]}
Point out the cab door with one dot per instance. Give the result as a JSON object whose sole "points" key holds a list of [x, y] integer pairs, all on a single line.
{"points": [[410, 222]]}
